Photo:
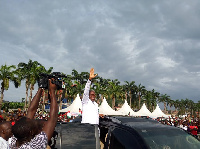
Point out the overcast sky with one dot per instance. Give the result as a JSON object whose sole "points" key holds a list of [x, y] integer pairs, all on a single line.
{"points": [[155, 43]]}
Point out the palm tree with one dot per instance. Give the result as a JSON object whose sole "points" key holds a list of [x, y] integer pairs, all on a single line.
{"points": [[186, 104], [68, 85], [130, 89], [30, 73], [182, 109], [140, 90], [98, 91], [125, 90], [114, 88], [148, 97], [34, 76], [24, 70], [103, 86], [176, 104], [191, 106], [7, 74], [170, 103], [155, 96], [164, 98], [75, 75], [72, 87]]}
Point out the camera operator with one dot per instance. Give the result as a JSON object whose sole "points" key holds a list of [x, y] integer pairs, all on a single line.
{"points": [[25, 132]]}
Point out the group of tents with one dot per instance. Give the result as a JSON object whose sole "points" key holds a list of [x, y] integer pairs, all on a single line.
{"points": [[105, 109]]}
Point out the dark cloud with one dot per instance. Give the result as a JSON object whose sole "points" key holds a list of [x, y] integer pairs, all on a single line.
{"points": [[155, 43]]}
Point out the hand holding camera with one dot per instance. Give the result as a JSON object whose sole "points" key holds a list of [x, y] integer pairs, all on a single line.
{"points": [[55, 77]]}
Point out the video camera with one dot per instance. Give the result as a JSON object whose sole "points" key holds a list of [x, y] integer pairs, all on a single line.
{"points": [[43, 82]]}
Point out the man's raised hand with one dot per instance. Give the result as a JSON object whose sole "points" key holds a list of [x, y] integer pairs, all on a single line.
{"points": [[92, 75]]}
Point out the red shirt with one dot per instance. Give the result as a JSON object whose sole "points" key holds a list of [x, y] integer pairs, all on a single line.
{"points": [[194, 132]]}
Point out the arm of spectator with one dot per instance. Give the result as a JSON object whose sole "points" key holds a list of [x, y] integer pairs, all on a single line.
{"points": [[34, 104], [52, 120]]}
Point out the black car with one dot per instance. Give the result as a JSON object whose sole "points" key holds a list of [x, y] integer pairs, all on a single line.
{"points": [[143, 133], [118, 132]]}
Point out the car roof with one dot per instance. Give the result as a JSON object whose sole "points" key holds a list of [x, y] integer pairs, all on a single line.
{"points": [[140, 123]]}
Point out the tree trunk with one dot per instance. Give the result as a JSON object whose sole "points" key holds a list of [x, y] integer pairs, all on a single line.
{"points": [[1, 100], [165, 108], [126, 96], [113, 103], [139, 100], [25, 105], [30, 97], [130, 98]]}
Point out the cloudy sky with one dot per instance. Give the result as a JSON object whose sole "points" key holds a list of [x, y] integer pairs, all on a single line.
{"points": [[155, 43]]}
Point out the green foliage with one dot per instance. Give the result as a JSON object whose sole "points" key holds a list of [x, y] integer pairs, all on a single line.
{"points": [[112, 90], [12, 105]]}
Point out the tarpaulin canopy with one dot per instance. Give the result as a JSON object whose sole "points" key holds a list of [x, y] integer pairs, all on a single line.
{"points": [[74, 107], [125, 109], [105, 109], [158, 113], [143, 111]]}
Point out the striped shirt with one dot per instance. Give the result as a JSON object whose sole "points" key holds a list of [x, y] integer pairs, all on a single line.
{"points": [[38, 142]]}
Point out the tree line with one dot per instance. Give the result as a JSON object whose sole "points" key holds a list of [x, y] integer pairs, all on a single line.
{"points": [[113, 90]]}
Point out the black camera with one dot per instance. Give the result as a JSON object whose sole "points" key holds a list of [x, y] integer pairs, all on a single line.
{"points": [[43, 82]]}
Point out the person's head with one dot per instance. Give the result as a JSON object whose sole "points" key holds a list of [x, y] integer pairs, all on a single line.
{"points": [[5, 130], [92, 95], [24, 129], [40, 124]]}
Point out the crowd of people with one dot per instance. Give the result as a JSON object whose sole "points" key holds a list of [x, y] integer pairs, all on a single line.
{"points": [[190, 125], [32, 129], [35, 129]]}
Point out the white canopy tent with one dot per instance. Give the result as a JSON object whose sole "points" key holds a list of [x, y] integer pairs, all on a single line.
{"points": [[158, 113], [125, 109], [74, 107], [105, 109], [143, 111]]}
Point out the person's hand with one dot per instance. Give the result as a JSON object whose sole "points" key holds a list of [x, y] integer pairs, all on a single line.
{"points": [[101, 115], [92, 75], [52, 86]]}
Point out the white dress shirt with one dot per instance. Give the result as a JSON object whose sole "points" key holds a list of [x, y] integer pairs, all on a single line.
{"points": [[3, 144], [90, 109]]}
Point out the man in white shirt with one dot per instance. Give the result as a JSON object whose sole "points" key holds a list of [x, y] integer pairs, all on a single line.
{"points": [[90, 110], [5, 134]]}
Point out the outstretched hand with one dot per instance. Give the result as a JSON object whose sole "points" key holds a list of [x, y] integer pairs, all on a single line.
{"points": [[92, 75]]}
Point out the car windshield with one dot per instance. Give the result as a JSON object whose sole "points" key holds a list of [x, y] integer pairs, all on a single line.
{"points": [[169, 139]]}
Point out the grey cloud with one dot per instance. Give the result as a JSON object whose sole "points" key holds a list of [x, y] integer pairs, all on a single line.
{"points": [[154, 43]]}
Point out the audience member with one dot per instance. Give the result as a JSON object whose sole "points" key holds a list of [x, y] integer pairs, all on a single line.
{"points": [[5, 134], [25, 132]]}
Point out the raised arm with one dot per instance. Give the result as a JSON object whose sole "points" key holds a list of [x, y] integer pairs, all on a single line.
{"points": [[52, 120], [34, 104], [87, 86], [92, 75]]}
